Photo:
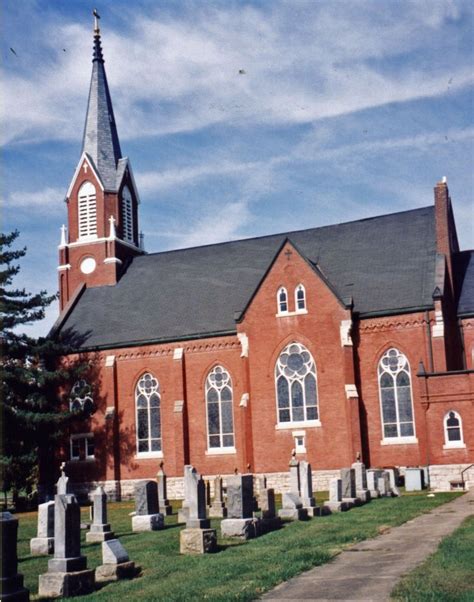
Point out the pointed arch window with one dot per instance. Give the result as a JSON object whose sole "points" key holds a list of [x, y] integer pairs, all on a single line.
{"points": [[87, 208], [396, 398], [453, 435], [81, 397], [148, 418], [127, 215], [282, 300], [300, 298], [296, 386], [220, 422]]}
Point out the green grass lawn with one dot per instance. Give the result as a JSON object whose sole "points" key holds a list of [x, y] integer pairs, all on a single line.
{"points": [[447, 575], [238, 571]]}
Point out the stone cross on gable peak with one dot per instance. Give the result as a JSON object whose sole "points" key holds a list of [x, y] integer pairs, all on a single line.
{"points": [[288, 254]]}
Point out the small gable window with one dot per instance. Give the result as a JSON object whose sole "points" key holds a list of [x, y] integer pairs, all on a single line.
{"points": [[127, 215], [300, 298], [396, 398], [453, 436], [87, 207], [220, 422], [148, 401], [282, 301]]}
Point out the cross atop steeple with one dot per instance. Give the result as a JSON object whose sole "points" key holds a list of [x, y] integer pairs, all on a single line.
{"points": [[96, 21]]}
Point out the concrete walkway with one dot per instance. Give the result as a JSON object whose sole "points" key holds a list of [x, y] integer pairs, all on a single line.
{"points": [[370, 569]]}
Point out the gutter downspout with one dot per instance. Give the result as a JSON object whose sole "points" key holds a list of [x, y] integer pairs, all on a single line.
{"points": [[430, 342]]}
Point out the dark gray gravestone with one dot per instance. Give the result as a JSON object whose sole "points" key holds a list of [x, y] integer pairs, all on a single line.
{"points": [[165, 506], [348, 483], [67, 536], [146, 498], [11, 582], [240, 496]]}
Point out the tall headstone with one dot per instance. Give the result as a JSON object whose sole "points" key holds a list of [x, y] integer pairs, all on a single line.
{"points": [[373, 475], [292, 506], [349, 487], [414, 479], [306, 484], [197, 537], [383, 484], [63, 486], [362, 491], [67, 571], [183, 511], [115, 563], [335, 502], [100, 529], [394, 476], [163, 501], [218, 509], [240, 503], [147, 516], [11, 581], [43, 543]]}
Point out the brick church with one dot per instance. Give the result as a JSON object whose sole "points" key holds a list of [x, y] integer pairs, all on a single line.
{"points": [[356, 337]]}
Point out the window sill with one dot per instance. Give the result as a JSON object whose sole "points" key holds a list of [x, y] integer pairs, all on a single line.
{"points": [[399, 441], [455, 445], [145, 455], [286, 314], [281, 426], [91, 459], [301, 450], [220, 451]]}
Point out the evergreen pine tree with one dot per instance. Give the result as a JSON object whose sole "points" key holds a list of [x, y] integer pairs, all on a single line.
{"points": [[33, 414]]}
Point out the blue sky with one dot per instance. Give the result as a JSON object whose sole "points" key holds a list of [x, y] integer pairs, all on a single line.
{"points": [[240, 118]]}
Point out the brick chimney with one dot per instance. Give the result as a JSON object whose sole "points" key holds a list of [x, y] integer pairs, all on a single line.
{"points": [[446, 237]]}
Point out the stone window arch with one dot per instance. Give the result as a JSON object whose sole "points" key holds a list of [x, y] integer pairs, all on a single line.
{"points": [[453, 435], [81, 397]]}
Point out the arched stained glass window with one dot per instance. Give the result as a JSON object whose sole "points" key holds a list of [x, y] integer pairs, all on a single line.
{"points": [[282, 300], [220, 422], [453, 436], [147, 402], [300, 298], [295, 381], [395, 395], [127, 215], [87, 208], [81, 397]]}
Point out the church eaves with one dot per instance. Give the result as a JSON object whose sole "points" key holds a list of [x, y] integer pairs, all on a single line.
{"points": [[100, 140]]}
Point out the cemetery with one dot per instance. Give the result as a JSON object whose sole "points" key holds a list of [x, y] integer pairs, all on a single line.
{"points": [[235, 539]]}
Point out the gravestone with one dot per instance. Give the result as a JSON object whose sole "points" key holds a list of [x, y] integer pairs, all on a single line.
{"points": [[163, 501], [207, 488], [306, 485], [269, 520], [67, 571], [394, 476], [43, 543], [11, 581], [100, 529], [335, 502], [240, 503], [63, 486], [373, 475], [197, 537], [349, 487], [292, 506], [183, 511], [218, 509], [414, 479], [147, 516], [383, 484], [115, 563], [362, 491]]}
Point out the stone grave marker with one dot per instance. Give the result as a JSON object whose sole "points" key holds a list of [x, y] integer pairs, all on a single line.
{"points": [[100, 529], [362, 491], [336, 503], [197, 537], [11, 581], [292, 506], [240, 503], [372, 482], [306, 484], [147, 516], [115, 563], [218, 509], [67, 571], [383, 484], [43, 543], [63, 486], [183, 511], [163, 501]]}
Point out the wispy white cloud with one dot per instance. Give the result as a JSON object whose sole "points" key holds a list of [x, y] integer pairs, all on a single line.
{"points": [[47, 200]]}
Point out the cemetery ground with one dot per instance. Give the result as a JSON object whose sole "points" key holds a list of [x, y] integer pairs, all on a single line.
{"points": [[448, 574], [239, 570]]}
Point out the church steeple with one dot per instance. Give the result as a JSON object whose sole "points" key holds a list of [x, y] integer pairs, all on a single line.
{"points": [[100, 140], [102, 199]]}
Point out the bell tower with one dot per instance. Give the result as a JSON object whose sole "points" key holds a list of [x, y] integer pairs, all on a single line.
{"points": [[102, 234]]}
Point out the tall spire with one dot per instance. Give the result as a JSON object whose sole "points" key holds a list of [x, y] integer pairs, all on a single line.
{"points": [[100, 139]]}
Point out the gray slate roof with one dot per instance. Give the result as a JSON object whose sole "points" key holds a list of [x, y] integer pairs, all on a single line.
{"points": [[386, 264], [464, 269], [100, 140]]}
